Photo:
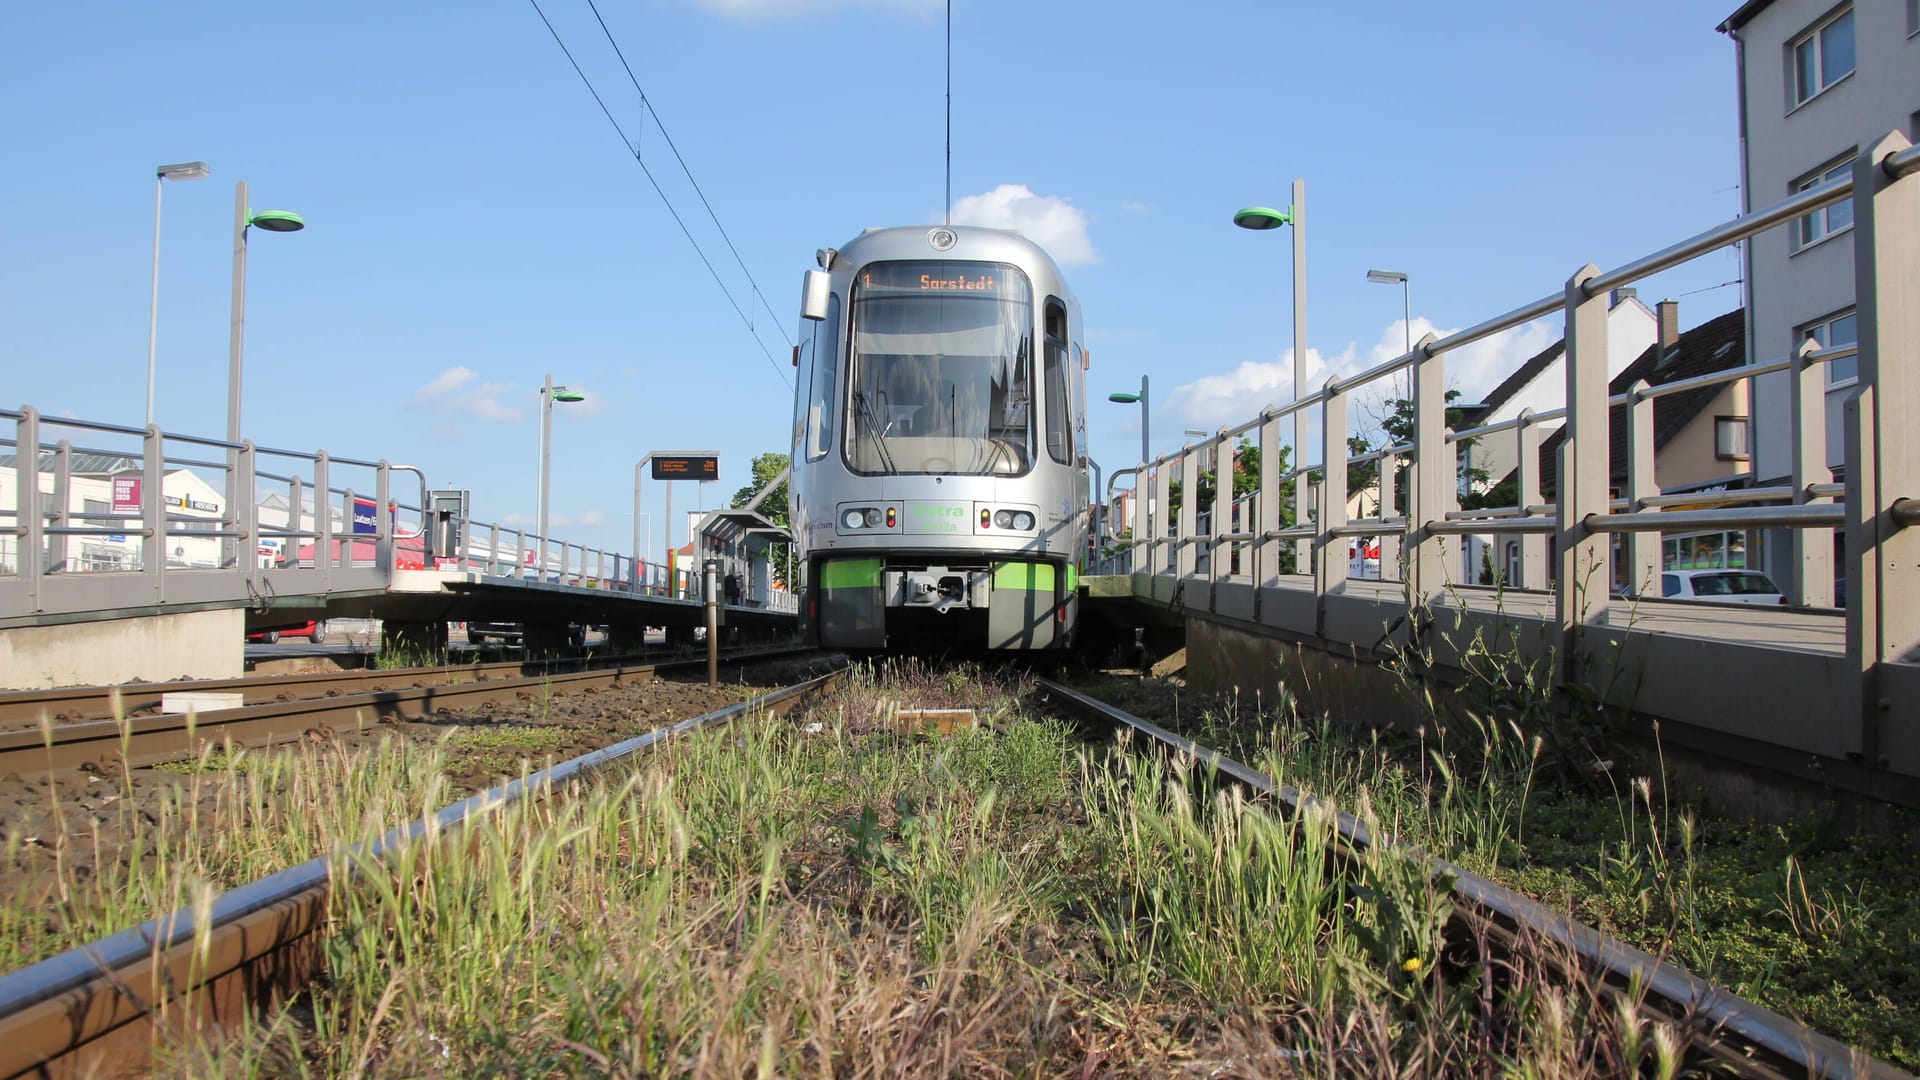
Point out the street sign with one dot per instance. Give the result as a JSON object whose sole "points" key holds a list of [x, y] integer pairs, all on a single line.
{"points": [[686, 466], [365, 518]]}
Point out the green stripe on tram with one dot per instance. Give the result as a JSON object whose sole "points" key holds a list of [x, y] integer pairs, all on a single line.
{"points": [[1024, 576], [850, 574]]}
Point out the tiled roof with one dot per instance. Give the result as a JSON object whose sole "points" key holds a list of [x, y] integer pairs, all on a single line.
{"points": [[1714, 345]]}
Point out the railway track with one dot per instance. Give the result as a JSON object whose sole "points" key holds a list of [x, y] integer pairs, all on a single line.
{"points": [[93, 1010], [1728, 1033], [287, 708], [23, 709]]}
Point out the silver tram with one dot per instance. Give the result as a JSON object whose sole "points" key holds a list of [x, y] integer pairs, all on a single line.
{"points": [[939, 487]]}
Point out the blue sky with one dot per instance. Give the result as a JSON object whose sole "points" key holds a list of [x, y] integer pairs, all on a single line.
{"points": [[474, 223]]}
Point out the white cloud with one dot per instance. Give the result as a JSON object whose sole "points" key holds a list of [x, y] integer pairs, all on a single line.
{"points": [[759, 10], [1135, 206], [443, 384], [453, 392], [1053, 223], [1236, 396]]}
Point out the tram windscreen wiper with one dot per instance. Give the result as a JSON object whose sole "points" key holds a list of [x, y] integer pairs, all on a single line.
{"points": [[863, 412]]}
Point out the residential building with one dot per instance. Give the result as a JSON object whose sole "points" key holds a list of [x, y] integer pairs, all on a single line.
{"points": [[1699, 444], [1540, 384], [1818, 83]]}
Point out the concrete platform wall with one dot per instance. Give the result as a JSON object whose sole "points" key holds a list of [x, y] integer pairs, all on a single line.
{"points": [[197, 644]]}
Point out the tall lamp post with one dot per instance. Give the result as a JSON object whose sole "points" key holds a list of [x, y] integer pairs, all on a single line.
{"points": [[1395, 277], [1260, 219], [244, 219], [271, 221], [549, 394], [1141, 397], [190, 170]]}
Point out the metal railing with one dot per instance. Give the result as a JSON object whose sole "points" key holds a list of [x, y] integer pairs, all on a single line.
{"points": [[1253, 546], [101, 518]]}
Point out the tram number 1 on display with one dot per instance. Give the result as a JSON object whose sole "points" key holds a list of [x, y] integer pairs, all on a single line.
{"points": [[686, 467]]}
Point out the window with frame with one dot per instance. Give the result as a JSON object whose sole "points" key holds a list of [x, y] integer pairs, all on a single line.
{"points": [[1827, 220], [1841, 329], [1059, 434], [1820, 57], [1730, 438]]}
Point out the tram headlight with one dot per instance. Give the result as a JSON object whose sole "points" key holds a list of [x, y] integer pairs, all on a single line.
{"points": [[873, 518], [1023, 521], [1004, 519], [854, 519]]}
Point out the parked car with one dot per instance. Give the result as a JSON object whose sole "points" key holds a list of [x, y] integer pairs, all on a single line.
{"points": [[512, 633], [1720, 586], [313, 631]]}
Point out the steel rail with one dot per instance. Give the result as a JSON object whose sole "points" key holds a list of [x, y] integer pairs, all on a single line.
{"points": [[1782, 1042], [56, 1011], [24, 708], [140, 741]]}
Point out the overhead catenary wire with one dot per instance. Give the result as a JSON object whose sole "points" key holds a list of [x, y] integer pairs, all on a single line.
{"points": [[632, 149], [647, 104]]}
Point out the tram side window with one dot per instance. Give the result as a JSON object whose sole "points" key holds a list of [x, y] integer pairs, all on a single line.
{"points": [[802, 398], [826, 358], [1059, 433]]}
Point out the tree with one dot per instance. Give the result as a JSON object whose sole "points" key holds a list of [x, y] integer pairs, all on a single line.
{"points": [[1398, 426], [773, 507], [1246, 480]]}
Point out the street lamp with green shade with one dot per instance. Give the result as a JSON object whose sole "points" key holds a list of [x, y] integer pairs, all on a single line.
{"points": [[1124, 398], [549, 394], [1263, 219], [277, 221], [244, 219]]}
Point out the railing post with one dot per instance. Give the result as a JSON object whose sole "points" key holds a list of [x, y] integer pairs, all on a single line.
{"points": [[246, 546], [351, 537], [1533, 546], [27, 516], [1139, 559], [1428, 477], [1581, 579], [296, 522], [322, 522], [57, 514], [153, 514], [384, 558], [1812, 584], [1185, 557], [1157, 562], [1330, 563], [1643, 548], [1266, 550], [1389, 481], [1883, 451], [1219, 551]]}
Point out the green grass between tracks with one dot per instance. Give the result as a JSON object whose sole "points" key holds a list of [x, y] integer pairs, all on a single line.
{"points": [[819, 895]]}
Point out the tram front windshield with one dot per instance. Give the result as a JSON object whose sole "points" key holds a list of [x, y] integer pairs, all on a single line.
{"points": [[941, 376]]}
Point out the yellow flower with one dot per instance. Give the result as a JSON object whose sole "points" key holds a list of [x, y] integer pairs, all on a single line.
{"points": [[1412, 965]]}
